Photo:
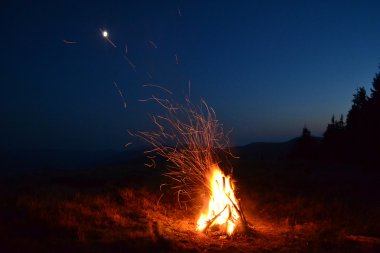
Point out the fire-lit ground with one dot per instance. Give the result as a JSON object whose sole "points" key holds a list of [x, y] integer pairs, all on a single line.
{"points": [[115, 210]]}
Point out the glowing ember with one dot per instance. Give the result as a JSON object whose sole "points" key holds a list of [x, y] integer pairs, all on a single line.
{"points": [[223, 206]]}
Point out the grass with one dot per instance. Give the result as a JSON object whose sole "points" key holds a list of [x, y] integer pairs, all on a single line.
{"points": [[294, 207]]}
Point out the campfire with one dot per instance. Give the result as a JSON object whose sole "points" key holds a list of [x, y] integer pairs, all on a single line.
{"points": [[223, 208], [192, 140]]}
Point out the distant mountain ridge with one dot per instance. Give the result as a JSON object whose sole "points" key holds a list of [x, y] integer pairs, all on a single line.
{"points": [[21, 159], [269, 150], [266, 150]]}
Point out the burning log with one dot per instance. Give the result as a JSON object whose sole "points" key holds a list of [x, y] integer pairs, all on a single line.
{"points": [[210, 222]]}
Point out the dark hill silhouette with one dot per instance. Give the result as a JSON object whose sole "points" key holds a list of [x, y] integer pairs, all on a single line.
{"points": [[25, 159], [266, 150]]}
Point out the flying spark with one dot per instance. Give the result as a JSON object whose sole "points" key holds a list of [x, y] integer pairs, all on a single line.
{"points": [[133, 66], [176, 58], [69, 42], [121, 95], [126, 145], [157, 86], [153, 44]]}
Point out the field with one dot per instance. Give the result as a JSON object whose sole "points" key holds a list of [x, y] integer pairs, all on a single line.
{"points": [[293, 206]]}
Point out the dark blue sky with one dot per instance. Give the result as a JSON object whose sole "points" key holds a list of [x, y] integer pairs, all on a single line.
{"points": [[267, 67]]}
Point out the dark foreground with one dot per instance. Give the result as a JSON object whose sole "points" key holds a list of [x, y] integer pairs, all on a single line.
{"points": [[293, 207]]}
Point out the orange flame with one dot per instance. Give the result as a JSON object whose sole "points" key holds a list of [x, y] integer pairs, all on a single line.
{"points": [[223, 206]]}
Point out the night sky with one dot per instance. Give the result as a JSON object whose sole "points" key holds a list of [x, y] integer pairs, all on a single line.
{"points": [[267, 67]]}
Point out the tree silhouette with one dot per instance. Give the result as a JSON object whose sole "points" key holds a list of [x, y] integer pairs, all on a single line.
{"points": [[306, 134], [356, 116], [374, 119], [359, 139], [358, 132], [334, 139], [376, 86], [306, 147]]}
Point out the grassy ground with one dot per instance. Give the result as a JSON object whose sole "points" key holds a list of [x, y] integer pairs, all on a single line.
{"points": [[293, 207]]}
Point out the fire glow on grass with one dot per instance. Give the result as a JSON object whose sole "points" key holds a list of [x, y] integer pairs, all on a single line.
{"points": [[192, 140]]}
